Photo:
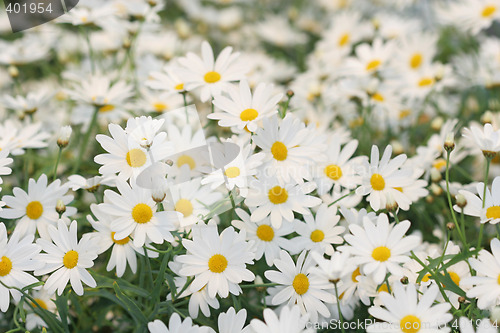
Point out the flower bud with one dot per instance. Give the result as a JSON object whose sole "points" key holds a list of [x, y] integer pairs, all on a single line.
{"points": [[461, 299], [13, 71], [63, 137], [159, 193], [391, 204], [450, 225], [460, 200], [60, 207], [436, 189], [169, 162], [437, 123], [449, 143], [495, 314], [404, 280], [289, 93], [436, 175], [397, 147], [487, 117]]}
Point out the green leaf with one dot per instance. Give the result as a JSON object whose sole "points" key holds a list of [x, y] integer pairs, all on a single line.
{"points": [[106, 282], [160, 278], [132, 308], [62, 308]]}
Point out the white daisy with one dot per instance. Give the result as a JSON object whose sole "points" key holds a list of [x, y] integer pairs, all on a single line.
{"points": [[381, 247], [175, 325], [297, 285], [491, 211], [290, 320], [483, 326], [4, 161], [46, 301], [217, 261], [487, 139], [67, 258], [232, 322]]}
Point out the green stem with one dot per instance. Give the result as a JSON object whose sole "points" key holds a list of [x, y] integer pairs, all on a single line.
{"points": [[447, 175], [91, 51], [338, 308], [481, 228], [342, 197], [57, 164], [85, 140]]}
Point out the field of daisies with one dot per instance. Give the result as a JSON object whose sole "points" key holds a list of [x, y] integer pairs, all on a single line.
{"points": [[252, 166]]}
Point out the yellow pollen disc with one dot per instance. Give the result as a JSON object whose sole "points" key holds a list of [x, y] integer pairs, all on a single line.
{"points": [[344, 39], [279, 151], [383, 287], [34, 210], [404, 113], [498, 279], [5, 266], [40, 302], [317, 236], [381, 253], [378, 97], [439, 163], [488, 11], [426, 277], [372, 65], [248, 114], [377, 182], [400, 189], [136, 158], [333, 171], [426, 81], [160, 107], [355, 274], [232, 172], [217, 263], [106, 108], [278, 195], [416, 61], [185, 159], [265, 233], [70, 259], [184, 206], [211, 77], [410, 324], [179, 86], [493, 212], [119, 241], [142, 213], [455, 278], [301, 284]]}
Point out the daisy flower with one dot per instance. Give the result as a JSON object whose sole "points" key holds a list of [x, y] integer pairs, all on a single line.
{"points": [[4, 161], [244, 109], [483, 326], [320, 232], [384, 177], [176, 325], [491, 211], [232, 322], [36, 210], [135, 214], [299, 286], [45, 301], [487, 139], [485, 286], [404, 312], [16, 136], [370, 58], [266, 239], [166, 80], [67, 258], [290, 320], [470, 15], [279, 201], [290, 148], [217, 261], [16, 257], [212, 75], [123, 252], [381, 247]]}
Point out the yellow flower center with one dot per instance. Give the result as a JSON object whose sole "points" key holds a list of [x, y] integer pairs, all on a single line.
{"points": [[34, 210], [211, 77], [439, 163], [301, 284], [383, 287], [426, 81], [279, 151], [136, 158], [333, 171], [404, 113], [5, 266], [488, 11], [455, 278], [377, 182], [217, 263], [160, 107], [344, 39], [179, 86], [493, 212], [142, 213], [106, 108], [232, 172], [378, 97], [381, 253], [498, 279], [119, 241], [265, 233], [416, 61], [410, 324], [248, 114], [355, 275], [317, 236], [40, 302], [70, 259], [185, 159], [372, 65], [184, 206], [278, 195]]}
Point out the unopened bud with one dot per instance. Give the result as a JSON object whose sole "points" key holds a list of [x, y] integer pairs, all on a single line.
{"points": [[258, 280], [436, 189], [391, 204], [397, 147], [437, 123], [461, 299], [289, 93], [13, 71], [169, 162], [449, 143], [404, 280], [487, 117], [60, 207], [436, 175], [460, 200], [63, 137], [145, 143], [489, 154], [429, 199], [450, 225], [158, 194], [495, 314]]}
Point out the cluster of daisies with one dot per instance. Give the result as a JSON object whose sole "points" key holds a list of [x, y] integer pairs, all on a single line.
{"points": [[336, 168]]}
